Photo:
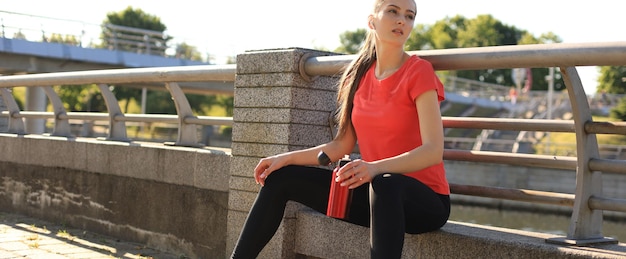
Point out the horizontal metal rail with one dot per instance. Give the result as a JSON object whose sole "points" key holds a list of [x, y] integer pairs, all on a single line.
{"points": [[220, 73], [508, 124], [551, 198], [543, 161], [513, 56]]}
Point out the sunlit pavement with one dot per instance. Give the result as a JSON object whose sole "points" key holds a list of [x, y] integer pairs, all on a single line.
{"points": [[25, 237]]}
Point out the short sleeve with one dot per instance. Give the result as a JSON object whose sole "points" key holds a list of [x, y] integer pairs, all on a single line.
{"points": [[422, 78]]}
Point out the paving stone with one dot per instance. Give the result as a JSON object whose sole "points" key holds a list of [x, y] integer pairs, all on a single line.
{"points": [[25, 237]]}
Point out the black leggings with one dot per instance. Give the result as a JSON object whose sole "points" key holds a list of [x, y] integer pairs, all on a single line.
{"points": [[399, 204]]}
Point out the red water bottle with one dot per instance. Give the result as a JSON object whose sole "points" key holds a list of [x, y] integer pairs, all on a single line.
{"points": [[339, 197]]}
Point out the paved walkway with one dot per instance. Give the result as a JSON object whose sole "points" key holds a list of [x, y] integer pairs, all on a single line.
{"points": [[25, 237]]}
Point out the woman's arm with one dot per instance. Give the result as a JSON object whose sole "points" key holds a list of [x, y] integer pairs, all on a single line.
{"points": [[335, 150]]}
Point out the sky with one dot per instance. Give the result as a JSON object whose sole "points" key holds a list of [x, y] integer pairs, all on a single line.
{"points": [[227, 27]]}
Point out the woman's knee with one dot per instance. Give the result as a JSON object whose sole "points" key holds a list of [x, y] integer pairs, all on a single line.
{"points": [[386, 184], [280, 176]]}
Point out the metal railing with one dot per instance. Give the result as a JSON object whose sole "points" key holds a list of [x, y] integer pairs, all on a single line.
{"points": [[42, 28], [588, 200], [170, 76]]}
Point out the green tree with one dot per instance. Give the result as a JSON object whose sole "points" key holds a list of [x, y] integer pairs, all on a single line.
{"points": [[612, 79], [441, 35], [19, 35], [134, 18], [619, 111], [64, 39], [161, 102], [186, 51], [482, 31], [81, 98], [351, 41], [127, 94]]}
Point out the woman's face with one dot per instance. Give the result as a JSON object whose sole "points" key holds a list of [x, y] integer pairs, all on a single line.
{"points": [[393, 21]]}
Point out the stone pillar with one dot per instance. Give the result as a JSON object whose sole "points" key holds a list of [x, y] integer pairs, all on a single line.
{"points": [[276, 110]]}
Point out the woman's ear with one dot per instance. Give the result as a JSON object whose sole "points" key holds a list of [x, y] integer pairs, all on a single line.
{"points": [[370, 23]]}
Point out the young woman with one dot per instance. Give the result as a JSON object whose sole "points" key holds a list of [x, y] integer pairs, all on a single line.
{"points": [[389, 102]]}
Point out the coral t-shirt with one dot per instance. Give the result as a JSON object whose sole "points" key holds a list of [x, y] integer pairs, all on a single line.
{"points": [[386, 120]]}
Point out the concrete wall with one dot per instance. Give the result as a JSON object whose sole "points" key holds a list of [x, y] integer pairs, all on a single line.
{"points": [[168, 197]]}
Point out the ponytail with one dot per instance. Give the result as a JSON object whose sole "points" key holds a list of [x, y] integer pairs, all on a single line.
{"points": [[349, 83]]}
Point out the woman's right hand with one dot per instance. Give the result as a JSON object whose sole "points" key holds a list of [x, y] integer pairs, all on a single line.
{"points": [[268, 165]]}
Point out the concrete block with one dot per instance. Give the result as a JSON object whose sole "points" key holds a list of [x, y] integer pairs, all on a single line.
{"points": [[269, 61], [177, 166], [282, 115], [267, 115], [310, 99], [143, 164], [293, 134], [10, 148], [282, 245], [243, 166], [47, 151], [257, 150], [274, 80], [263, 97], [235, 221], [212, 171], [244, 184], [98, 157], [309, 135], [285, 97], [320, 118], [241, 200], [273, 133]]}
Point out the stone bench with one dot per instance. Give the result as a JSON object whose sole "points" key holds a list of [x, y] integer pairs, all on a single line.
{"points": [[318, 236]]}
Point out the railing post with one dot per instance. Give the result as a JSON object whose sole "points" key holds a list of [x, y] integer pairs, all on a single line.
{"points": [[16, 124], [117, 129], [586, 223], [187, 133], [146, 40], [276, 109], [4, 123], [61, 126]]}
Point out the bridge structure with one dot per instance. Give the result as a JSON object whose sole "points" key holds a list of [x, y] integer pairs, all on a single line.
{"points": [[191, 199]]}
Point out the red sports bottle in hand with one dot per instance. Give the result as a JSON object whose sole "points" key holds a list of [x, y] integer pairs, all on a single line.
{"points": [[340, 197]]}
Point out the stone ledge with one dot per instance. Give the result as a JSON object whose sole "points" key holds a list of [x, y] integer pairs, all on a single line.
{"points": [[318, 236]]}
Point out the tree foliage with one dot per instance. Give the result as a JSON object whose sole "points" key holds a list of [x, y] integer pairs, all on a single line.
{"points": [[85, 98], [351, 41], [64, 39], [186, 51], [619, 111], [134, 18], [612, 79], [461, 32]]}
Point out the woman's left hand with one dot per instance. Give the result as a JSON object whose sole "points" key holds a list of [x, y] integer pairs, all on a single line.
{"points": [[355, 173]]}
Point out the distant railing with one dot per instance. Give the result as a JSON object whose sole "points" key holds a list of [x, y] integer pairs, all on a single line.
{"points": [[42, 28], [588, 201]]}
